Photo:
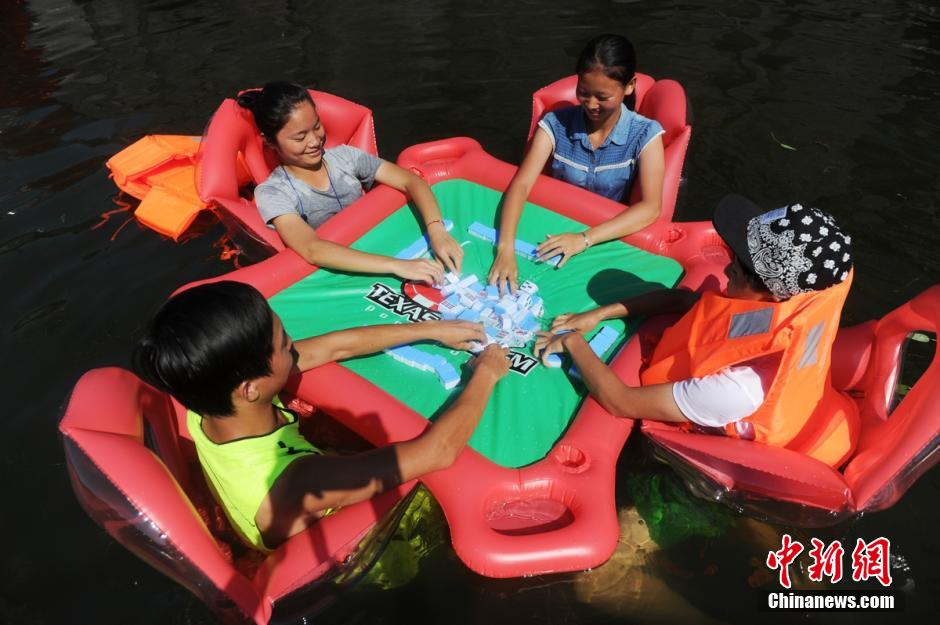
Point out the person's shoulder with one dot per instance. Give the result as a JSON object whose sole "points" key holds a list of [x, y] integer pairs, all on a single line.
{"points": [[563, 116], [642, 123], [350, 157], [275, 197], [342, 151], [192, 417], [636, 130], [636, 117], [194, 426], [559, 122], [347, 153], [273, 184]]}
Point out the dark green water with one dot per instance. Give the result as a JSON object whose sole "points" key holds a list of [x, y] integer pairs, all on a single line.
{"points": [[852, 86]]}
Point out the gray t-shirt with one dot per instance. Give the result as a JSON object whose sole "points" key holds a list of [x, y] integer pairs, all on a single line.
{"points": [[351, 170]]}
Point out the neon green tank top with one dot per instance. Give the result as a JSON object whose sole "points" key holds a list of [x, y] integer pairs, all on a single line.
{"points": [[241, 472]]}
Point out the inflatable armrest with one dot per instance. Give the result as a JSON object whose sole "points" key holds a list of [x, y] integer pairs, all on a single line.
{"points": [[231, 131], [894, 451], [774, 472], [127, 490], [851, 353], [305, 557], [920, 313], [666, 103], [243, 214]]}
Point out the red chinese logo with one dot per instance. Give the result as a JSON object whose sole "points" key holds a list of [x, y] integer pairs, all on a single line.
{"points": [[872, 560], [826, 562], [782, 559], [869, 560]]}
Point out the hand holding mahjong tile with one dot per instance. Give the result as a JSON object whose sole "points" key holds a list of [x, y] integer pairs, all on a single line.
{"points": [[510, 320]]}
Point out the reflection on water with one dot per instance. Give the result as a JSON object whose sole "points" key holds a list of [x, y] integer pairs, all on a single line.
{"points": [[834, 104]]}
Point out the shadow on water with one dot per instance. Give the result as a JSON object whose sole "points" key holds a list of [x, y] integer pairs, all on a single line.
{"points": [[827, 103]]}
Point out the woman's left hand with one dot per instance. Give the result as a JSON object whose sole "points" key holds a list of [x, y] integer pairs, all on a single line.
{"points": [[567, 244], [445, 247]]}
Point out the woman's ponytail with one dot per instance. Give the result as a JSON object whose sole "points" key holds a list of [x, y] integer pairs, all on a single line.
{"points": [[272, 106]]}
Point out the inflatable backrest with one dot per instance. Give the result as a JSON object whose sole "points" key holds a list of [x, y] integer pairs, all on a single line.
{"points": [[346, 122], [123, 452], [232, 130], [662, 100], [561, 93], [897, 447], [232, 144], [134, 494]]}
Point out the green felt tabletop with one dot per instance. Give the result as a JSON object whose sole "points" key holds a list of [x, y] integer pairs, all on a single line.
{"points": [[533, 405]]}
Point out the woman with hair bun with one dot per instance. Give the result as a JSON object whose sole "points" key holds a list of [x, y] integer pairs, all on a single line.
{"points": [[601, 145], [312, 183]]}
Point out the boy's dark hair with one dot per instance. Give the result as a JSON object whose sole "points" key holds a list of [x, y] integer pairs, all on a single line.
{"points": [[272, 106], [614, 56], [204, 342]]}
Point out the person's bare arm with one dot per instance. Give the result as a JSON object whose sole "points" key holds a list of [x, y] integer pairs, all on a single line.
{"points": [[504, 272], [300, 237], [660, 301], [632, 219], [343, 344], [646, 210], [313, 483], [654, 402], [445, 247]]}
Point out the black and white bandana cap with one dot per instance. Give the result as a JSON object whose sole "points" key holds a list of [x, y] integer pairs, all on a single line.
{"points": [[795, 250]]}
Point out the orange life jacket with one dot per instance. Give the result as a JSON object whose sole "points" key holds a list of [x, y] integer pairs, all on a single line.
{"points": [[160, 170], [801, 409]]}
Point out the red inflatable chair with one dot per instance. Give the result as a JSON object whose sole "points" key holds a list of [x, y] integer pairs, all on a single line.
{"points": [[896, 444], [662, 100], [232, 134], [134, 470]]}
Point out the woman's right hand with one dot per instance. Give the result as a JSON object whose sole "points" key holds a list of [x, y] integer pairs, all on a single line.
{"points": [[494, 359], [578, 322], [504, 271], [420, 270]]}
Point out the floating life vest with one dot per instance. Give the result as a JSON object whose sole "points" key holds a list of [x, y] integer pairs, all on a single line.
{"points": [[801, 410], [160, 170]]}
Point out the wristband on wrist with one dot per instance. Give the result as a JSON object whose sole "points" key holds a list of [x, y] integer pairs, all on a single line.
{"points": [[433, 221], [587, 241]]}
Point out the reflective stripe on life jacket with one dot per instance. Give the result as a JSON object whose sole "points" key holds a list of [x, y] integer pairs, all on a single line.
{"points": [[801, 409]]}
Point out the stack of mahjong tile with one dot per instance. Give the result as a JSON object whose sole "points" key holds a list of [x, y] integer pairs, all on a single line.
{"points": [[420, 247], [510, 320], [600, 343], [523, 248], [424, 361]]}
